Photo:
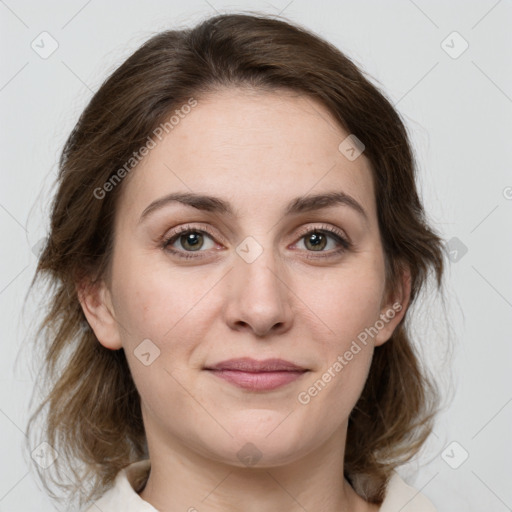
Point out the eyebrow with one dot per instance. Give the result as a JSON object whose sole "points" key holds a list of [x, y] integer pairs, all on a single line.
{"points": [[216, 205]]}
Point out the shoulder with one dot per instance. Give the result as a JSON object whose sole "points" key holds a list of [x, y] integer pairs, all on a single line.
{"points": [[403, 497], [123, 494]]}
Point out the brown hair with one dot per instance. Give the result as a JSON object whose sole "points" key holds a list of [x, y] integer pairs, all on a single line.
{"points": [[93, 408]]}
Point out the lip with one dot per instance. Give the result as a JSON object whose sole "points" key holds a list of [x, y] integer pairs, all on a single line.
{"points": [[256, 375], [247, 364]]}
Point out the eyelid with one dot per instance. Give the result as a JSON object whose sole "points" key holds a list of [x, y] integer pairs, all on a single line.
{"points": [[332, 230], [175, 232]]}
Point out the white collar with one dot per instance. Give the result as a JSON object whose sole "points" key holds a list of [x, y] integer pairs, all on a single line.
{"points": [[123, 495]]}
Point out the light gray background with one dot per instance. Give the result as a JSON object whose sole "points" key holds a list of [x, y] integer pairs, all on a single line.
{"points": [[458, 111]]}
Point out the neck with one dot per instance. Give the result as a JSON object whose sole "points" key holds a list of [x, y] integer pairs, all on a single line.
{"points": [[181, 479]]}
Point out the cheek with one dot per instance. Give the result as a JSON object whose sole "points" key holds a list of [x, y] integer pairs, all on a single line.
{"points": [[170, 308], [347, 306], [332, 391], [347, 303], [154, 299]]}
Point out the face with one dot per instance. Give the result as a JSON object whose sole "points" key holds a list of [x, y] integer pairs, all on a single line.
{"points": [[271, 274]]}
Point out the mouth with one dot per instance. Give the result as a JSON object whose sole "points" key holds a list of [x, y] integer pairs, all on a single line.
{"points": [[256, 375]]}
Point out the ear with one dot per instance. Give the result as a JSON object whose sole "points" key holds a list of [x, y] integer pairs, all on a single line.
{"points": [[96, 303], [393, 308]]}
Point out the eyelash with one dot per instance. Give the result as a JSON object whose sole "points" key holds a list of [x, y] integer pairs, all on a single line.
{"points": [[336, 234]]}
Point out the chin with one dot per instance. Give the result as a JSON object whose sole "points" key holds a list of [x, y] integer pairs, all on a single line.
{"points": [[253, 446], [265, 425]]}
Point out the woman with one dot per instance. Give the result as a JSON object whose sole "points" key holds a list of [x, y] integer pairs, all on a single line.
{"points": [[235, 243]]}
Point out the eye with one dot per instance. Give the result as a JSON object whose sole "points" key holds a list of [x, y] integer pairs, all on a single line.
{"points": [[190, 239], [317, 239], [187, 240]]}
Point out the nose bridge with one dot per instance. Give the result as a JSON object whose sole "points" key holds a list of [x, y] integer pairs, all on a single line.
{"points": [[260, 297], [257, 267]]}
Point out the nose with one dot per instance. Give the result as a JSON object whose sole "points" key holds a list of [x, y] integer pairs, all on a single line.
{"points": [[259, 299]]}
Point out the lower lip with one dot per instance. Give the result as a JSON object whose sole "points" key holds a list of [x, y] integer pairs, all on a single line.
{"points": [[261, 381]]}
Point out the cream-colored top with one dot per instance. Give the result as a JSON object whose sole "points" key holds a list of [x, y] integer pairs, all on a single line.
{"points": [[123, 495]]}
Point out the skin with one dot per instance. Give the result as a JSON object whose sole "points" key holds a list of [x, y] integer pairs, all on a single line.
{"points": [[258, 151]]}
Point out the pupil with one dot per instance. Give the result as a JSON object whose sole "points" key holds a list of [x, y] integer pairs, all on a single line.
{"points": [[192, 239], [317, 240]]}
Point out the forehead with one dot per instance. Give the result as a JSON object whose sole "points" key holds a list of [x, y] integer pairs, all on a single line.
{"points": [[245, 145]]}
